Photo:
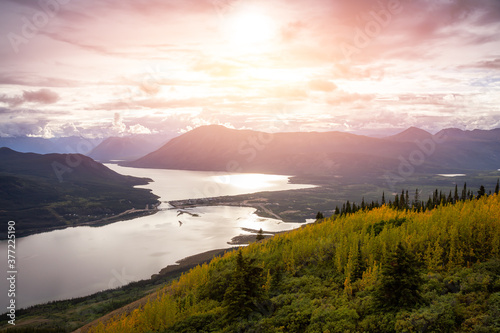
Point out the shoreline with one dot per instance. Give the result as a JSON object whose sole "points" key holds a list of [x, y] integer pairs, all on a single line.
{"points": [[129, 214], [148, 287]]}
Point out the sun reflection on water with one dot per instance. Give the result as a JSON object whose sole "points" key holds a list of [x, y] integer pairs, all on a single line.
{"points": [[251, 181]]}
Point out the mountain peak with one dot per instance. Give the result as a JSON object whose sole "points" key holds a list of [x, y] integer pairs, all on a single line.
{"points": [[411, 134], [211, 129]]}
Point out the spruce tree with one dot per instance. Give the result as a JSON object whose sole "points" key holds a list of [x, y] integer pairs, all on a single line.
{"points": [[416, 200], [481, 192], [260, 235], [400, 281], [348, 207], [359, 266], [497, 188], [244, 291]]}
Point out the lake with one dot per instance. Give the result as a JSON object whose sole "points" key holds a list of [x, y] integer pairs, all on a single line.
{"points": [[79, 261]]}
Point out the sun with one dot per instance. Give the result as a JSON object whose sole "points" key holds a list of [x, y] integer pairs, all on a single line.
{"points": [[250, 27]]}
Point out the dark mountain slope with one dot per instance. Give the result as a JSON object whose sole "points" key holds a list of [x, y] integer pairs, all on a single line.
{"points": [[43, 192]]}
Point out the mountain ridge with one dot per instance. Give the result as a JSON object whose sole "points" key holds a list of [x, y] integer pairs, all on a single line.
{"points": [[216, 148]]}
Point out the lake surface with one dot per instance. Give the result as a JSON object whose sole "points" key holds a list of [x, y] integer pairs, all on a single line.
{"points": [[79, 261]]}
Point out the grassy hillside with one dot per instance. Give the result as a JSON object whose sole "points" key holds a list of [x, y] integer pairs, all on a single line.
{"points": [[383, 270]]}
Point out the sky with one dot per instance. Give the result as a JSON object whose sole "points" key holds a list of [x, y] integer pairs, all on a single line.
{"points": [[120, 67]]}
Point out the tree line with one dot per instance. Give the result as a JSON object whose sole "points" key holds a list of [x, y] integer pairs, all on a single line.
{"points": [[402, 201]]}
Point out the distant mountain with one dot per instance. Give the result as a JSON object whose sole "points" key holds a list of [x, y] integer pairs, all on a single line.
{"points": [[216, 148], [479, 135], [42, 192], [127, 148], [66, 145], [412, 134]]}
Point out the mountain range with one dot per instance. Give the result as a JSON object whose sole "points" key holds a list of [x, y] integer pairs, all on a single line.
{"points": [[217, 148], [62, 145]]}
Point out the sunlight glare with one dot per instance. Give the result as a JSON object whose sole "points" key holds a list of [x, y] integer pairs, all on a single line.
{"points": [[250, 27], [250, 181]]}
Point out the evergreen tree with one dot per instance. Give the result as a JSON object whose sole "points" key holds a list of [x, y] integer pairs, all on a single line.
{"points": [[244, 291], [497, 188], [320, 216], [383, 198], [430, 203], [464, 192], [399, 285], [455, 196], [359, 266], [337, 211], [260, 235], [481, 192], [416, 201]]}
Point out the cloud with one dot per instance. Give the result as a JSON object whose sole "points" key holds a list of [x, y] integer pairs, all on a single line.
{"points": [[322, 85], [139, 129], [35, 80], [291, 31], [216, 68], [486, 64], [340, 97], [118, 125], [289, 92], [42, 96]]}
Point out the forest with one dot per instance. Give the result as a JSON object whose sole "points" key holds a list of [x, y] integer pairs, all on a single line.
{"points": [[391, 268]]}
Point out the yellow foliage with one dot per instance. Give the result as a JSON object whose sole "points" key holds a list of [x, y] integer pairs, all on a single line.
{"points": [[448, 236]]}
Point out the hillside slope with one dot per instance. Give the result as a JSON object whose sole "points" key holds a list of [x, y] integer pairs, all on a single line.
{"points": [[42, 192], [383, 270]]}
